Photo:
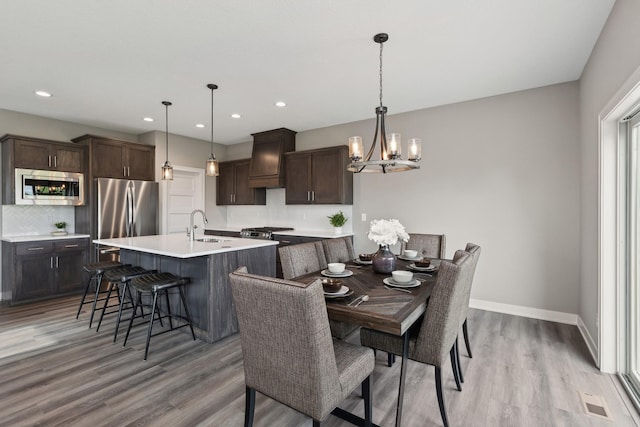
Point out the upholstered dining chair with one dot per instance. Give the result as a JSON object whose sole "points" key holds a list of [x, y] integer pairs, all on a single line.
{"points": [[474, 250], [435, 336], [303, 258], [427, 245], [288, 353], [339, 249]]}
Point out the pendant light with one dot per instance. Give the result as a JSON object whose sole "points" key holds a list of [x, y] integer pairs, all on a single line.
{"points": [[390, 145], [212, 163], [167, 169]]}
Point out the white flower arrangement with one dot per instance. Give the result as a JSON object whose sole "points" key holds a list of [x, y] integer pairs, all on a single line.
{"points": [[387, 232]]}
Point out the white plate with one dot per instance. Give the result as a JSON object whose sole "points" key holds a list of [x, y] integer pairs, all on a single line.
{"points": [[415, 267], [343, 290], [409, 259], [345, 273], [359, 261], [340, 294], [412, 284]]}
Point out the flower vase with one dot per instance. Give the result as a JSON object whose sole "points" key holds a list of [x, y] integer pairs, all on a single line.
{"points": [[383, 261]]}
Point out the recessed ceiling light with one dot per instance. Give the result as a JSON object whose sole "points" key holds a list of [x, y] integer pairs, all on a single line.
{"points": [[281, 104], [236, 115], [148, 119], [43, 94], [199, 125]]}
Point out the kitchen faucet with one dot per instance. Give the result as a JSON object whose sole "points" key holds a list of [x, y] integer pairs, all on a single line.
{"points": [[192, 230]]}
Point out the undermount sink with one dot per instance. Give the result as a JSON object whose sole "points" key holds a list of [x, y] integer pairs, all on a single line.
{"points": [[210, 240]]}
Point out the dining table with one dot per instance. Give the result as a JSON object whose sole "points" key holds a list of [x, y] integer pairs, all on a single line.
{"points": [[374, 301]]}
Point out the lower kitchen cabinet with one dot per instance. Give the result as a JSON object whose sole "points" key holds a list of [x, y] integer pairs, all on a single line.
{"points": [[44, 268]]}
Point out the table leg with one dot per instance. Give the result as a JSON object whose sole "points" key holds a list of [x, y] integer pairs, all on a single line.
{"points": [[403, 374]]}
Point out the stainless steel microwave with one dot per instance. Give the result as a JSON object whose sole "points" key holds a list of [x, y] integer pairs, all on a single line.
{"points": [[40, 187]]}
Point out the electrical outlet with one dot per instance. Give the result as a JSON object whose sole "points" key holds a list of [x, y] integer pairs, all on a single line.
{"points": [[364, 216]]}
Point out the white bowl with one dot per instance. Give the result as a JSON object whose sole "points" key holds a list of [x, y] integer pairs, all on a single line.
{"points": [[402, 276], [336, 267], [410, 253]]}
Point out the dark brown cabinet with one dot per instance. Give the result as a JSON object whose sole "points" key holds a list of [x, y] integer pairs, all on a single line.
{"points": [[44, 268], [232, 185], [112, 158], [40, 154], [319, 177], [267, 158]]}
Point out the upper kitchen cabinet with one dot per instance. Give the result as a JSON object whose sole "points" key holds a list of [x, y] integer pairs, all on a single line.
{"points": [[33, 153], [319, 177], [232, 185], [267, 158], [113, 158]]}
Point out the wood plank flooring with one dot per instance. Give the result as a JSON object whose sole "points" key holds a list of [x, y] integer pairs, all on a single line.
{"points": [[55, 371]]}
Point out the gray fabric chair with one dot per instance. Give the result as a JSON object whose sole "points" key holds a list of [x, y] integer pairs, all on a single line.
{"points": [[288, 353], [303, 258], [435, 336], [474, 250], [339, 249], [427, 245]]}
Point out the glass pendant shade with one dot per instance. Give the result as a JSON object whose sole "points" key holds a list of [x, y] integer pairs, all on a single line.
{"points": [[212, 166], [167, 171]]}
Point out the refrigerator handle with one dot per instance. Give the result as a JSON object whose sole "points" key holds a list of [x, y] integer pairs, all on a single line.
{"points": [[129, 208]]}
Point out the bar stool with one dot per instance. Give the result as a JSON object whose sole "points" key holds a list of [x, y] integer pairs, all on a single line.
{"points": [[96, 270], [154, 285], [120, 277]]}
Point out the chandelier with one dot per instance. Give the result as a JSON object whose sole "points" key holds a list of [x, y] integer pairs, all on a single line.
{"points": [[390, 144]]}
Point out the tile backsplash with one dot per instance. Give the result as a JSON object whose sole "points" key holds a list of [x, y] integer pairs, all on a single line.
{"points": [[30, 220], [277, 213]]}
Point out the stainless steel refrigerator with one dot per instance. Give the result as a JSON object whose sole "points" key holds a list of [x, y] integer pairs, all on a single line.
{"points": [[125, 208]]}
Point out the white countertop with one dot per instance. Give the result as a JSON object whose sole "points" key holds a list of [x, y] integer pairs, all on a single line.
{"points": [[36, 237], [179, 246]]}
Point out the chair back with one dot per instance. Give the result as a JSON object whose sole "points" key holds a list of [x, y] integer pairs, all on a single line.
{"points": [[339, 249], [300, 259], [427, 245], [287, 348], [474, 250], [447, 303]]}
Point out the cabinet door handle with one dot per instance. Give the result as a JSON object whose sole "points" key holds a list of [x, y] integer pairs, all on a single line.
{"points": [[35, 249], [128, 171], [57, 261], [51, 262], [124, 171], [55, 161], [49, 160], [313, 196], [285, 242], [308, 196], [71, 246]]}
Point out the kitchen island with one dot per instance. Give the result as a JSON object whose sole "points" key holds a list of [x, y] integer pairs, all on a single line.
{"points": [[207, 264]]}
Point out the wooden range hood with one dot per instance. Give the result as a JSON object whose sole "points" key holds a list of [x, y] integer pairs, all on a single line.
{"points": [[267, 157]]}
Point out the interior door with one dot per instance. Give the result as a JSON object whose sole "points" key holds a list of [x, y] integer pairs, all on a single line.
{"points": [[181, 196]]}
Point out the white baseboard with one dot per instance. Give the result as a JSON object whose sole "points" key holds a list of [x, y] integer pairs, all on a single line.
{"points": [[518, 310], [536, 313], [591, 344]]}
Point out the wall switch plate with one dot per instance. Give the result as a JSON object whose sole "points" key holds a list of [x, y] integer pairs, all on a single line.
{"points": [[363, 216]]}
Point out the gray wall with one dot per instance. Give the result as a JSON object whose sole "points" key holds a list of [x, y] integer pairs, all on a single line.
{"points": [[615, 57], [502, 172]]}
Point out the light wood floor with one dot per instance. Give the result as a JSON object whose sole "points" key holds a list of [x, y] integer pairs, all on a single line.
{"points": [[54, 371]]}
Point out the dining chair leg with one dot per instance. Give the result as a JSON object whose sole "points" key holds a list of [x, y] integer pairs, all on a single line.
{"points": [[454, 366], [443, 412], [458, 361], [316, 423], [249, 406], [403, 375], [391, 358], [367, 395], [466, 338]]}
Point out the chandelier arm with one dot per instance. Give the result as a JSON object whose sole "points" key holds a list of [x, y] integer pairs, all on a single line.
{"points": [[383, 136]]}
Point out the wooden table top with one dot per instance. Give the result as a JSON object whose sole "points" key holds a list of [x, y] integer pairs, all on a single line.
{"points": [[386, 310]]}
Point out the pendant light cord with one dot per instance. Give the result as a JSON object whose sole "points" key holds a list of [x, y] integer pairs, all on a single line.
{"points": [[166, 132], [212, 120], [381, 44]]}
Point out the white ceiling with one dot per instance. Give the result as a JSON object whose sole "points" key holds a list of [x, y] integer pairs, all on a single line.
{"points": [[111, 63]]}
